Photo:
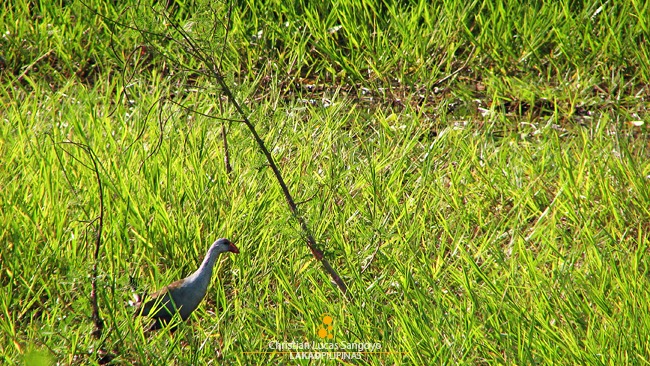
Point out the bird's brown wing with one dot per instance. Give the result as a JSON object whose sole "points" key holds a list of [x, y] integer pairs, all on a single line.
{"points": [[157, 300], [159, 306], [158, 303]]}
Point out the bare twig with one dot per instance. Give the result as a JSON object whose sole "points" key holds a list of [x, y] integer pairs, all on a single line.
{"points": [[193, 48], [94, 304], [226, 153], [224, 132]]}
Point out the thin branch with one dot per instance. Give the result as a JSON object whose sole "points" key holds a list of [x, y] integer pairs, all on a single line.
{"points": [[226, 153], [197, 52], [94, 304], [201, 113], [224, 132]]}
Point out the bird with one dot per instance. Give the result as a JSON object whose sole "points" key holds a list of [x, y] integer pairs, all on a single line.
{"points": [[185, 295]]}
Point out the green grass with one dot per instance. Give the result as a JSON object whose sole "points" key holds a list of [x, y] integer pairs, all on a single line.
{"points": [[477, 172]]}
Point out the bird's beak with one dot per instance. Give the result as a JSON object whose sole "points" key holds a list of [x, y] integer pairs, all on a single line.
{"points": [[233, 248]]}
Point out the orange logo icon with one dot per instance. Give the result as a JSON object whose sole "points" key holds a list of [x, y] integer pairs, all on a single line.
{"points": [[326, 328]]}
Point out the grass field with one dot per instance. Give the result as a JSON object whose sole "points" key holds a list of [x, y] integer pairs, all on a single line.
{"points": [[477, 172]]}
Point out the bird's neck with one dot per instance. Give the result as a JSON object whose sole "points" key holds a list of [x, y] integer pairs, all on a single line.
{"points": [[201, 277]]}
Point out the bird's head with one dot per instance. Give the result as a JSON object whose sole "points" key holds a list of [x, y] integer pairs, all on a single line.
{"points": [[223, 245]]}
